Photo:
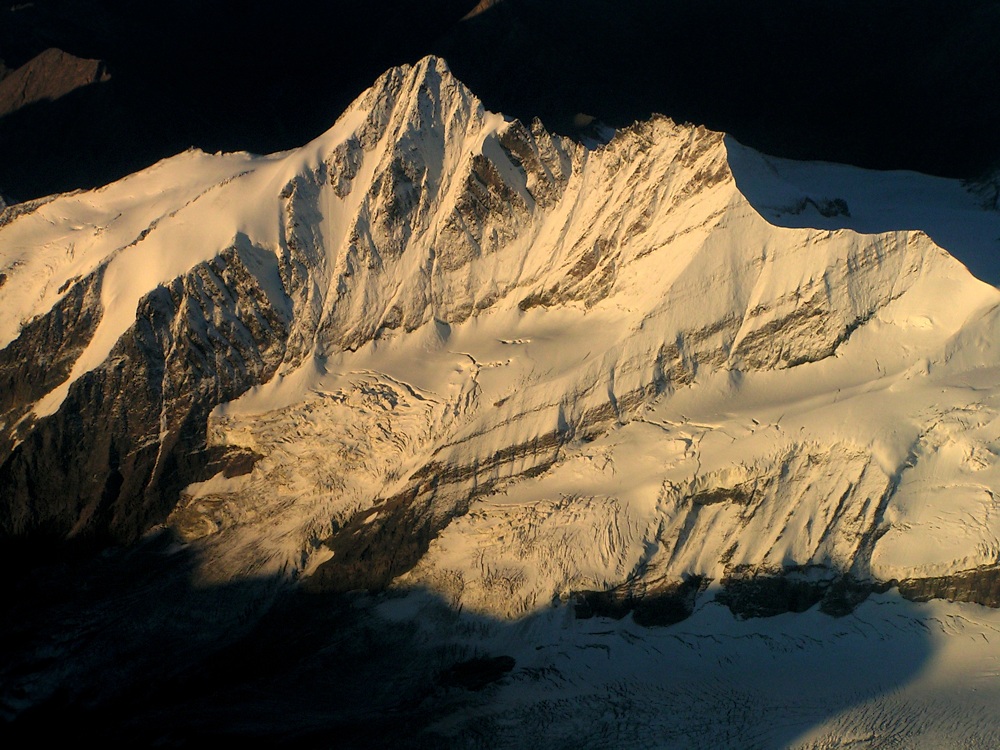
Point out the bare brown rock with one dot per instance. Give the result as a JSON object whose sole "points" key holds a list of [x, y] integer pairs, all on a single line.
{"points": [[46, 77]]}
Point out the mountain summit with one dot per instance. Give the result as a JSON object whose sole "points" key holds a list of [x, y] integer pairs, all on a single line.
{"points": [[506, 383], [469, 324]]}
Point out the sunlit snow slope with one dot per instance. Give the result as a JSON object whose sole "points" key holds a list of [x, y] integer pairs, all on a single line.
{"points": [[439, 348]]}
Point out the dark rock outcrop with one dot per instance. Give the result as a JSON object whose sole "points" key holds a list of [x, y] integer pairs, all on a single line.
{"points": [[43, 355], [979, 586], [659, 603], [749, 592], [130, 434]]}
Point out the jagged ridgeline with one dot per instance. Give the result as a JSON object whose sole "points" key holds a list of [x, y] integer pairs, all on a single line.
{"points": [[438, 347]]}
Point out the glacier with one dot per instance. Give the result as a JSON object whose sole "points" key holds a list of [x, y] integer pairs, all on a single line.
{"points": [[664, 420]]}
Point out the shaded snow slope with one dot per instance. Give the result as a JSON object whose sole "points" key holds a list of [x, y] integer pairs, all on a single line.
{"points": [[835, 196], [458, 352]]}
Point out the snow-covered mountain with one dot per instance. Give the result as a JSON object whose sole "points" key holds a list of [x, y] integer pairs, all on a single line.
{"points": [[439, 350]]}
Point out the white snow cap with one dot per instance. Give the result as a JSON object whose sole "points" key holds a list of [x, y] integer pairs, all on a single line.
{"points": [[627, 358]]}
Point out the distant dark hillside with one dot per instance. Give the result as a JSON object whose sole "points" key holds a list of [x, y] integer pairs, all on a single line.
{"points": [[881, 83]]}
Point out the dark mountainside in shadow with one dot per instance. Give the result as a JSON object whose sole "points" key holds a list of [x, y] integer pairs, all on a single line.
{"points": [[884, 84], [129, 649]]}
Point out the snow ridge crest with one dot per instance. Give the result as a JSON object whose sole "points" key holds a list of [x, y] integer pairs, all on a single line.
{"points": [[450, 308]]}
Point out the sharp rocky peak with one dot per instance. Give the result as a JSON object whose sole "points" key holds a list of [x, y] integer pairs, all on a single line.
{"points": [[443, 306]]}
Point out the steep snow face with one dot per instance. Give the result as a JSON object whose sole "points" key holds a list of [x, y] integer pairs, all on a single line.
{"points": [[470, 355]]}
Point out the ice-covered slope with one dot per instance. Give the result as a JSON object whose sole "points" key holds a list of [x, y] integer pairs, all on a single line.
{"points": [[439, 348]]}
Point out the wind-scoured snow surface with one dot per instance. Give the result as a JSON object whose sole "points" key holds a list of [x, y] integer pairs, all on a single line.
{"points": [[515, 369]]}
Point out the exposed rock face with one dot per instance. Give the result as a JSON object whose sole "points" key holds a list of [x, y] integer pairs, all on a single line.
{"points": [[131, 433], [652, 603], [481, 6], [48, 76], [750, 592], [43, 355], [981, 586], [439, 348]]}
